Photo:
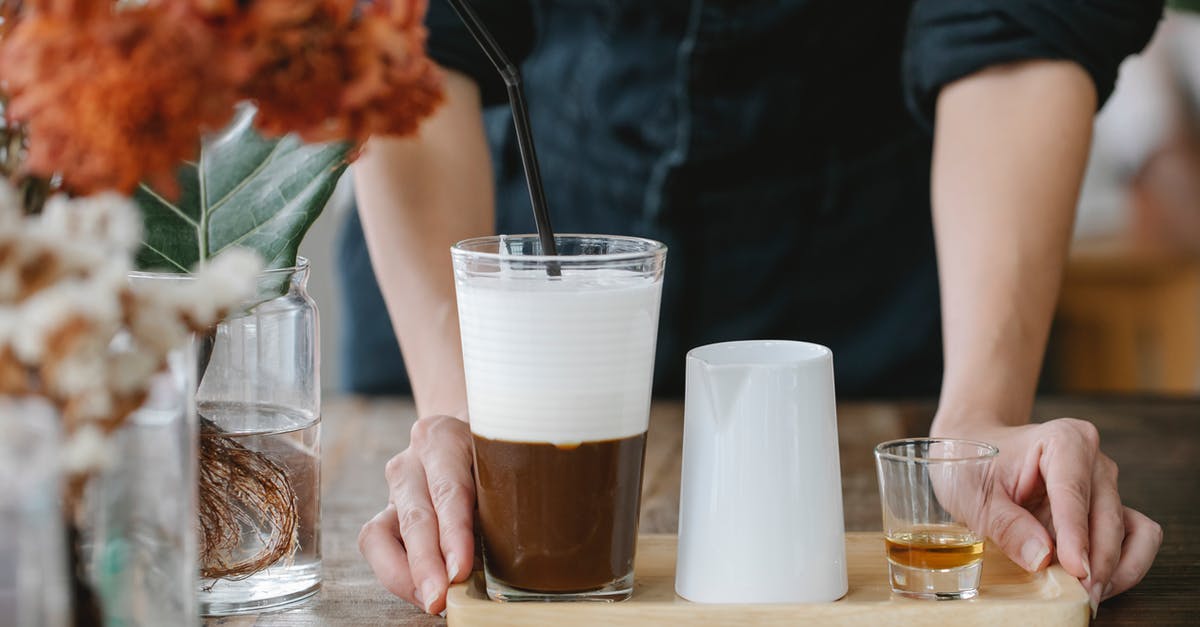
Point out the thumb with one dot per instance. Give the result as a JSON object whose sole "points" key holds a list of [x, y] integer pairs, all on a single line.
{"points": [[1022, 538]]}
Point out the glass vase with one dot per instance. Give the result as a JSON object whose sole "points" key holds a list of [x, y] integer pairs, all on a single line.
{"points": [[34, 580], [259, 405], [138, 523]]}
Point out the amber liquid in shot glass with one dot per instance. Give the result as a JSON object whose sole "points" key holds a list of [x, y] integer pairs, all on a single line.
{"points": [[930, 488], [935, 547]]}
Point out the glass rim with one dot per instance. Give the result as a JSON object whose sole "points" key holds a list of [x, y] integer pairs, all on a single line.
{"points": [[987, 451], [653, 248], [302, 265], [795, 352]]}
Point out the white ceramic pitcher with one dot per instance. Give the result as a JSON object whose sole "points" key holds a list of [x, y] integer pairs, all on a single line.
{"points": [[760, 508]]}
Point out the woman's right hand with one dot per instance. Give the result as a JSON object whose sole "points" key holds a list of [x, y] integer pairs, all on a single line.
{"points": [[423, 540]]}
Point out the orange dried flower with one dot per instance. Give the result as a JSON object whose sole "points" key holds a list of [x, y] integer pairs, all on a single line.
{"points": [[315, 68], [392, 84], [215, 8], [289, 52], [9, 10], [111, 97], [78, 10], [115, 99]]}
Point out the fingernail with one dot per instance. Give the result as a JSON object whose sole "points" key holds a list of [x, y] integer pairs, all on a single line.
{"points": [[1107, 591], [1087, 568], [1095, 605], [1034, 553], [417, 597], [429, 594], [452, 570]]}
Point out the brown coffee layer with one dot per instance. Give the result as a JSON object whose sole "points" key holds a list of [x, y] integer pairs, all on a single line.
{"points": [[559, 519]]}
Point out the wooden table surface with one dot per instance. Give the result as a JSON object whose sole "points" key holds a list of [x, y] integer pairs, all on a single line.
{"points": [[1156, 442]]}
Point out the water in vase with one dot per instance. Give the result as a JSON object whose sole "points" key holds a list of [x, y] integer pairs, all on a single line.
{"points": [[259, 506]]}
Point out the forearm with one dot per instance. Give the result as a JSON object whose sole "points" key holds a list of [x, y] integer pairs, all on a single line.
{"points": [[416, 198], [1010, 148]]}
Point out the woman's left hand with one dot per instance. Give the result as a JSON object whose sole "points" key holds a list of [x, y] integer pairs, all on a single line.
{"points": [[1055, 492]]}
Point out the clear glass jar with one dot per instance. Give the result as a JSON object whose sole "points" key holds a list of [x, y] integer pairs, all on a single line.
{"points": [[259, 403], [130, 538], [139, 521], [34, 582]]}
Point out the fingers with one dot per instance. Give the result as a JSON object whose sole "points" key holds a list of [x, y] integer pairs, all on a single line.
{"points": [[1067, 465], [451, 490], [379, 543], [1107, 546], [428, 524], [1022, 538], [1143, 537], [418, 526], [1107, 521]]}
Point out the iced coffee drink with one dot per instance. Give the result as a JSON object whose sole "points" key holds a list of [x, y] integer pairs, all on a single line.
{"points": [[559, 355]]}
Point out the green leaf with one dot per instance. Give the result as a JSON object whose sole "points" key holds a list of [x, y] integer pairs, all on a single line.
{"points": [[246, 191]]}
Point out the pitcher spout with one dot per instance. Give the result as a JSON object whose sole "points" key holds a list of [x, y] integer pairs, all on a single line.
{"points": [[724, 385]]}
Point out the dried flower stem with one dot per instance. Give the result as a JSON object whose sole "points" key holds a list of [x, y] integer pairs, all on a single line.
{"points": [[85, 604]]}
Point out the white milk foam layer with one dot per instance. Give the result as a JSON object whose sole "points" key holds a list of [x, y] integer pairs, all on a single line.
{"points": [[563, 360]]}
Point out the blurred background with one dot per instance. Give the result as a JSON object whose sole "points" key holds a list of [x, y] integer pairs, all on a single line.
{"points": [[1129, 313]]}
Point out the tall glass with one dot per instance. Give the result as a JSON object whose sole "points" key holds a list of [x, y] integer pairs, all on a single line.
{"points": [[933, 492], [559, 356]]}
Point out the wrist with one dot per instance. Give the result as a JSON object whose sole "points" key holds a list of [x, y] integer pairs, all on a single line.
{"points": [[453, 406], [958, 420], [969, 405], [443, 410], [960, 425]]}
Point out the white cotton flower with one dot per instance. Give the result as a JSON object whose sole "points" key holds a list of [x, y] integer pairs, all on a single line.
{"points": [[100, 298], [130, 371], [237, 262], [48, 310], [196, 301], [81, 256], [42, 314], [10, 324], [93, 404], [112, 274], [232, 276], [55, 216], [159, 329], [87, 450], [109, 219], [81, 371], [228, 280]]}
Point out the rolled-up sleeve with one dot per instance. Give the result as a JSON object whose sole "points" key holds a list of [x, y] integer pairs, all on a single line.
{"points": [[949, 39], [451, 45]]}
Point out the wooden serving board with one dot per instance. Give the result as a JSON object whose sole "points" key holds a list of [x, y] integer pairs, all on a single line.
{"points": [[1007, 596]]}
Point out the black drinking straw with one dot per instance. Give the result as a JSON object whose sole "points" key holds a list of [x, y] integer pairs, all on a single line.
{"points": [[520, 111]]}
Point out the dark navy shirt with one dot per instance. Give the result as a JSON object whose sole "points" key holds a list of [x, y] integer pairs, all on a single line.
{"points": [[781, 150]]}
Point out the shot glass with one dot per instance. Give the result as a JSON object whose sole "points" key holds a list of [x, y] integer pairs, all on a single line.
{"points": [[934, 492]]}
